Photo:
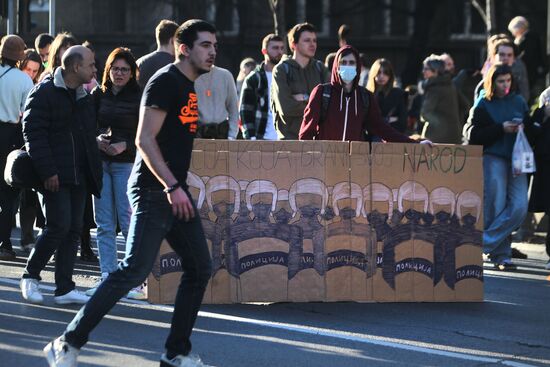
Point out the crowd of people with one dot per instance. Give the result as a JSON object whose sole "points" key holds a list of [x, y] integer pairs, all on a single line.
{"points": [[125, 139]]}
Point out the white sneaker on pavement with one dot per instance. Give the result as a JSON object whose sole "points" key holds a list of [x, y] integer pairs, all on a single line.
{"points": [[137, 293], [191, 360], [30, 291], [73, 296], [90, 292], [60, 354]]}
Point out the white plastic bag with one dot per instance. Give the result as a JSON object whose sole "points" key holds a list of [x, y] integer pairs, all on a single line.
{"points": [[523, 159]]}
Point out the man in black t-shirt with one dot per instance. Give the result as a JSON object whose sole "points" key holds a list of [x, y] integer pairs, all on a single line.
{"points": [[162, 206]]}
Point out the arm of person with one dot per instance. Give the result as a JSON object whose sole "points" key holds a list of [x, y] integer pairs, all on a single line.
{"points": [[232, 106], [480, 129], [36, 125], [248, 105], [377, 126], [282, 97], [310, 123], [150, 122]]}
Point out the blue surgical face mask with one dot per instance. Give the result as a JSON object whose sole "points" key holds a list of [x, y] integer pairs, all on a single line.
{"points": [[347, 73]]}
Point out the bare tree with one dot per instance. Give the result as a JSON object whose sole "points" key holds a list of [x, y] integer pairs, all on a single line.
{"points": [[487, 14], [278, 9]]}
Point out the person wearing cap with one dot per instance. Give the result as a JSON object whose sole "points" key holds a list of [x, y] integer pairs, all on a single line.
{"points": [[14, 87]]}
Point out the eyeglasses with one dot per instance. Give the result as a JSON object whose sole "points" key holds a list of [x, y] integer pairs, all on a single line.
{"points": [[122, 70]]}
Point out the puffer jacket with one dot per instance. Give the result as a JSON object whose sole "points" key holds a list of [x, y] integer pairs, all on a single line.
{"points": [[117, 117], [50, 121]]}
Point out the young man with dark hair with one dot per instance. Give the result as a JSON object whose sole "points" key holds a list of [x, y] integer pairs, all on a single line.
{"points": [[42, 45], [255, 110], [14, 87], [162, 56], [161, 203], [293, 80]]}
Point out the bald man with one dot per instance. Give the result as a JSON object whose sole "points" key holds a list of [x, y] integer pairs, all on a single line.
{"points": [[59, 127]]}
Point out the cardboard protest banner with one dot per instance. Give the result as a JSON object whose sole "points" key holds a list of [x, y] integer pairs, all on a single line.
{"points": [[303, 221]]}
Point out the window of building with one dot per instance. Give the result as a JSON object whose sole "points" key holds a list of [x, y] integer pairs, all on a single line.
{"points": [[311, 11], [224, 15], [389, 18], [468, 24]]}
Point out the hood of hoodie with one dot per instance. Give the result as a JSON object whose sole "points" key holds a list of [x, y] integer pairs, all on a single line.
{"points": [[335, 79]]}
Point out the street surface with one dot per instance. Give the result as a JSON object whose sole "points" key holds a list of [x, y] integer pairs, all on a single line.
{"points": [[510, 328]]}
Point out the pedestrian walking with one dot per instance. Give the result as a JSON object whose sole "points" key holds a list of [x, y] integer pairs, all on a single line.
{"points": [[59, 131], [161, 203], [494, 121]]}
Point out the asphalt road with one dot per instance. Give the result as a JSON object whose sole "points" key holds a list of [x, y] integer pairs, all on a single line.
{"points": [[510, 328]]}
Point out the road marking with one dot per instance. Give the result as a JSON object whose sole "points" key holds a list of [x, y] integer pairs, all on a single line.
{"points": [[412, 346]]}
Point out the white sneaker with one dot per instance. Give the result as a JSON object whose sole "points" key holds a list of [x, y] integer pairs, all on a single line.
{"points": [[73, 296], [137, 293], [60, 354], [90, 292], [30, 291], [547, 267], [191, 360]]}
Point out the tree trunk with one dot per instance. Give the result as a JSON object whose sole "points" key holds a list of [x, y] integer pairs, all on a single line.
{"points": [[491, 17], [278, 10]]}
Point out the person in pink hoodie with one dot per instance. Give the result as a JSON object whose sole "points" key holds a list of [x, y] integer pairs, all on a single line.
{"points": [[352, 111]]}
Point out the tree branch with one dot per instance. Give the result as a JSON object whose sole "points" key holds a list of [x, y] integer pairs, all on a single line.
{"points": [[479, 8]]}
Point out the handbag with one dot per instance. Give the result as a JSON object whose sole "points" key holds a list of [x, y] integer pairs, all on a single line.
{"points": [[20, 172], [523, 159]]}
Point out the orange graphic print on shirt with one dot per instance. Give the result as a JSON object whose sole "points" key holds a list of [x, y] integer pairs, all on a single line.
{"points": [[189, 115]]}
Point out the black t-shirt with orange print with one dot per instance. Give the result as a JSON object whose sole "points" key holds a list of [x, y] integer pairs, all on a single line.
{"points": [[170, 91]]}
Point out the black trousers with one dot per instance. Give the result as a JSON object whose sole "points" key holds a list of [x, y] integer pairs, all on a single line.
{"points": [[11, 138]]}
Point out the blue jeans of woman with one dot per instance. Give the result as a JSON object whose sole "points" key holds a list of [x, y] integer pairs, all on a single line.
{"points": [[152, 221], [112, 206], [504, 206]]}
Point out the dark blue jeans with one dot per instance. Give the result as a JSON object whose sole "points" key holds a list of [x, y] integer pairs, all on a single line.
{"points": [[64, 211], [152, 221]]}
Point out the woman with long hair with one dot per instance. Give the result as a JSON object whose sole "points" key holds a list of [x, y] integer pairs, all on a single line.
{"points": [[32, 64], [58, 47], [117, 101], [391, 99], [494, 121]]}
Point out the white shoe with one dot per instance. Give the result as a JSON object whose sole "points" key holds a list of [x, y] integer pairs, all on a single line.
{"points": [[73, 296], [60, 354], [90, 292], [137, 293], [547, 267], [191, 360], [30, 291]]}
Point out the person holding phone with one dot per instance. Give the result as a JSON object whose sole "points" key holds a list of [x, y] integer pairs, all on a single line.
{"points": [[497, 116]]}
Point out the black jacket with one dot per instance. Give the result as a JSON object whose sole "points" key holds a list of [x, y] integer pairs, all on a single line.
{"points": [[117, 116], [394, 105], [51, 120]]}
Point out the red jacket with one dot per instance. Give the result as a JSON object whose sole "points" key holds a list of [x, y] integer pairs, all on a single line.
{"points": [[344, 105]]}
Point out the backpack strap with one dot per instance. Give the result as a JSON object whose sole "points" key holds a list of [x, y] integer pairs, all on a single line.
{"points": [[5, 72], [325, 101], [364, 94]]}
